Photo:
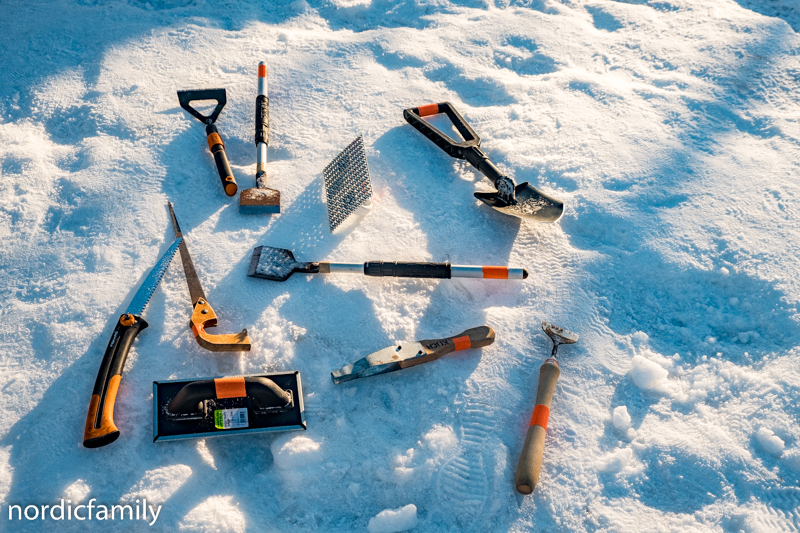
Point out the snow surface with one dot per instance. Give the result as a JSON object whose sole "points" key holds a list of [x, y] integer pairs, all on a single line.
{"points": [[670, 129]]}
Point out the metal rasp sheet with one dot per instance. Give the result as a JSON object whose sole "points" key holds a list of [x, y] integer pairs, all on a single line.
{"points": [[347, 183]]}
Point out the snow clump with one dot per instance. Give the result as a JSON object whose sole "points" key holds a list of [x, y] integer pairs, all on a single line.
{"points": [[393, 520]]}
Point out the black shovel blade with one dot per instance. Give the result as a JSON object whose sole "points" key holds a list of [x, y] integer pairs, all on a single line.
{"points": [[532, 204], [277, 264], [187, 97]]}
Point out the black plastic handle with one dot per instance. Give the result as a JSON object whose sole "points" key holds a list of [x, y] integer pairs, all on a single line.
{"points": [[262, 119], [407, 270], [455, 149], [262, 391], [100, 429], [217, 148]]}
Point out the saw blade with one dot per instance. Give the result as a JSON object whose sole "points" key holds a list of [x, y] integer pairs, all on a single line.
{"points": [[347, 183], [151, 281]]}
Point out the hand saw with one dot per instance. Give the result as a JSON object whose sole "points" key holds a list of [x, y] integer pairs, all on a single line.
{"points": [[100, 429], [203, 316]]}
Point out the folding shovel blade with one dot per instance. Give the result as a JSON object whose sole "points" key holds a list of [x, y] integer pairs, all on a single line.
{"points": [[531, 204], [187, 97], [559, 335], [277, 264]]}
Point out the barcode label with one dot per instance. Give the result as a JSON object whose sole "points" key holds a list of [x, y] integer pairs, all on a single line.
{"points": [[230, 418]]}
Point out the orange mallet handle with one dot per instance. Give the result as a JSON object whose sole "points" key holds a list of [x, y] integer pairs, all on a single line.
{"points": [[530, 460]]}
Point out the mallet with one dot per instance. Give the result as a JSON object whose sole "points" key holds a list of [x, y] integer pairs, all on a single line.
{"points": [[530, 460]]}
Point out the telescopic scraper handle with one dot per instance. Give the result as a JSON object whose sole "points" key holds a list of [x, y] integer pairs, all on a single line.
{"points": [[530, 460]]}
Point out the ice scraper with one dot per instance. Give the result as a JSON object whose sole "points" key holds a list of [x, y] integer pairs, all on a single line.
{"points": [[277, 264], [100, 428], [408, 353], [203, 316], [261, 199], [523, 200], [530, 460], [215, 143]]}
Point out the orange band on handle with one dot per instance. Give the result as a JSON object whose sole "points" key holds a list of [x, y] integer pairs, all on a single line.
{"points": [[262, 71], [197, 330], [213, 140], [462, 343], [540, 415], [230, 387], [495, 272], [428, 109]]}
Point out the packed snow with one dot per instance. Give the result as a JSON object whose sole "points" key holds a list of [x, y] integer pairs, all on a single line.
{"points": [[669, 128]]}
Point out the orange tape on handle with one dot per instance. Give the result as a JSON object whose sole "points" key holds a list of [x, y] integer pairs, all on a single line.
{"points": [[213, 140], [230, 387], [541, 413], [462, 343], [491, 272], [262, 71], [428, 109]]}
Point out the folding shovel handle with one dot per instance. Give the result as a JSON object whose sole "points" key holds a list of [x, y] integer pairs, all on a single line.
{"points": [[530, 460], [100, 428], [203, 317], [217, 148], [263, 391]]}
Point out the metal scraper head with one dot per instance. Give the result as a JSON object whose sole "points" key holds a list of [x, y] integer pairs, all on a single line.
{"points": [[347, 183]]}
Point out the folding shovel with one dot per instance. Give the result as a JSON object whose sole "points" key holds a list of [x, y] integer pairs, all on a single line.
{"points": [[523, 200], [215, 143], [203, 316], [277, 264]]}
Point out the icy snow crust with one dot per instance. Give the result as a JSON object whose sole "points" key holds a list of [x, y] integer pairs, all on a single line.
{"points": [[670, 130]]}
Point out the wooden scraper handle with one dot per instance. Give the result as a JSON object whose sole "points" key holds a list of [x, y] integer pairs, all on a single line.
{"points": [[530, 460]]}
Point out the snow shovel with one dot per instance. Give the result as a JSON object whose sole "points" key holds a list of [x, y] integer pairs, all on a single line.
{"points": [[277, 264], [523, 200], [530, 460], [261, 199], [214, 140]]}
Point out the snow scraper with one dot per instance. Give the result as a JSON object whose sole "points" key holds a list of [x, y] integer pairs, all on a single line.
{"points": [[348, 188], [407, 353], [277, 264], [261, 199], [100, 428], [211, 407], [203, 316], [530, 460], [215, 143], [523, 200]]}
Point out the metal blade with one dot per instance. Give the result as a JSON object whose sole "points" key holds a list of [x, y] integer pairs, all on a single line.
{"points": [[277, 264], [380, 362], [151, 281], [531, 204], [559, 335], [192, 279]]}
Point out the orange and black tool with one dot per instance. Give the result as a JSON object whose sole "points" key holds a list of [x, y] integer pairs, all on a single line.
{"points": [[100, 428], [215, 143], [530, 460], [203, 316]]}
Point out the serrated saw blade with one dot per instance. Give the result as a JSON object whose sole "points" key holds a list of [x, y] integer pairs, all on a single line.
{"points": [[347, 183], [151, 281]]}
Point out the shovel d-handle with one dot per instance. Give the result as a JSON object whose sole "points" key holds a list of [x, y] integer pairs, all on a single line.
{"points": [[263, 393], [455, 149], [100, 428], [436, 348], [530, 460], [217, 148], [204, 317]]}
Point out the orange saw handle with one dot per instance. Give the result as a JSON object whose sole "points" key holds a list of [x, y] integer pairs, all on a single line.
{"points": [[217, 148], [530, 460], [100, 429], [204, 317]]}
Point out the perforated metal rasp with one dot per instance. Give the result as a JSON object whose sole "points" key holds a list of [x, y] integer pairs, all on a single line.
{"points": [[347, 183]]}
